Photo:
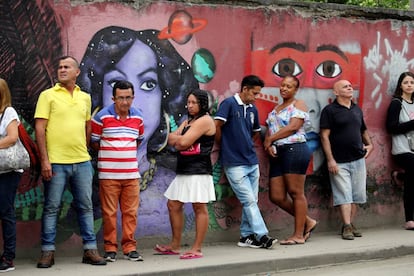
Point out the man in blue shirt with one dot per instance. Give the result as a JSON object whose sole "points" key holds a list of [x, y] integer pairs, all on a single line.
{"points": [[237, 126]]}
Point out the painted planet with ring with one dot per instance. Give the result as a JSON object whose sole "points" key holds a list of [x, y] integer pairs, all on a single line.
{"points": [[181, 27]]}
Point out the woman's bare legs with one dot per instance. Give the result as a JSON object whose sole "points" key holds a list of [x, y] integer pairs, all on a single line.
{"points": [[175, 210], [288, 193], [296, 190], [201, 222]]}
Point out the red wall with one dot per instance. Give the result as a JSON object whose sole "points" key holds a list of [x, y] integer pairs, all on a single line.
{"points": [[225, 42]]}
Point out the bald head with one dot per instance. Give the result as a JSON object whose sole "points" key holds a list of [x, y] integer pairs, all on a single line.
{"points": [[341, 83], [343, 90]]}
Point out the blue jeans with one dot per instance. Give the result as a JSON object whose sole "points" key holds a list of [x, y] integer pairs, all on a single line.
{"points": [[79, 176], [8, 189], [244, 181]]}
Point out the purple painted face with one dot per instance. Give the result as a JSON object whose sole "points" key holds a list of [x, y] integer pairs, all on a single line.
{"points": [[138, 66]]}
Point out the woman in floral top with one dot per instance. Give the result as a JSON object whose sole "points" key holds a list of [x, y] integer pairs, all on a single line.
{"points": [[289, 159]]}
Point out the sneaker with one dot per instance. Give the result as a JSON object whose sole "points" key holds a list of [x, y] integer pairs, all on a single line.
{"points": [[409, 225], [347, 232], [6, 265], [110, 256], [91, 256], [249, 241], [133, 256], [355, 231], [267, 242], [47, 259]]}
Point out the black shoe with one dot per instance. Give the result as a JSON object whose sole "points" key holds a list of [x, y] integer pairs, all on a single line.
{"points": [[6, 265], [133, 256], [249, 241], [110, 256], [47, 259], [267, 242]]}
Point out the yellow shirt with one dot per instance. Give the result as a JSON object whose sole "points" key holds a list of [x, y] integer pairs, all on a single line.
{"points": [[67, 116]]}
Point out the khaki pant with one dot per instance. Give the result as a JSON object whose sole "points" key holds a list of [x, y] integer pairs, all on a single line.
{"points": [[126, 193]]}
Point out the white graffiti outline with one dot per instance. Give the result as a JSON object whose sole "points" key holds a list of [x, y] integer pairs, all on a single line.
{"points": [[390, 67]]}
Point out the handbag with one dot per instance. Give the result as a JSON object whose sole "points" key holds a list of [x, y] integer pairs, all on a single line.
{"points": [[14, 157], [193, 150]]}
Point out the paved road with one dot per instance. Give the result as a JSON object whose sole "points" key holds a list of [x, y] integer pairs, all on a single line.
{"points": [[402, 266]]}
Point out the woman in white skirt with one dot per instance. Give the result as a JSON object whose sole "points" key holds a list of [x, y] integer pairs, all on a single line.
{"points": [[193, 183]]}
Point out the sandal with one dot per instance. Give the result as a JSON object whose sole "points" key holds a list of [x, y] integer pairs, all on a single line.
{"points": [[165, 250], [291, 242], [191, 255], [307, 233]]}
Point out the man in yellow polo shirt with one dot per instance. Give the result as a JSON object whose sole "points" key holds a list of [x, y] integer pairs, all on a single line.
{"points": [[63, 129]]}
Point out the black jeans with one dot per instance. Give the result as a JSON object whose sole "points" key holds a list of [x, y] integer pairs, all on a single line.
{"points": [[8, 189], [406, 161]]}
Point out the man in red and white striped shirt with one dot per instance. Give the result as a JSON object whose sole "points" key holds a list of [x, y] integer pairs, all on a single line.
{"points": [[117, 131]]}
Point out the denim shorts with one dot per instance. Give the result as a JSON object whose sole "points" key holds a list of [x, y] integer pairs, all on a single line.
{"points": [[349, 184], [291, 158]]}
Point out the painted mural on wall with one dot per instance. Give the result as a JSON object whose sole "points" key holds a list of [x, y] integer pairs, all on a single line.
{"points": [[167, 49]]}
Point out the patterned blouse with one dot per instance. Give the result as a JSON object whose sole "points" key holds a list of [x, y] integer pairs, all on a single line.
{"points": [[276, 121]]}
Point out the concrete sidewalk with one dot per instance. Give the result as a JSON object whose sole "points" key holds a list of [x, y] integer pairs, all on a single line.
{"points": [[323, 248]]}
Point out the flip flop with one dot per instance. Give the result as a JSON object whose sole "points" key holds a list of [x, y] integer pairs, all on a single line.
{"points": [[307, 234], [291, 242], [191, 255], [165, 250]]}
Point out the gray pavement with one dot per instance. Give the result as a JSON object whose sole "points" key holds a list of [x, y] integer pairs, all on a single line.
{"points": [[323, 248]]}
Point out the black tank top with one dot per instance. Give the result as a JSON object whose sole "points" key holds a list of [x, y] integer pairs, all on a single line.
{"points": [[200, 163]]}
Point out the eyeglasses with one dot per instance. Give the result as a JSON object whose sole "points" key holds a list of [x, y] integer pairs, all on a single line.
{"points": [[121, 99]]}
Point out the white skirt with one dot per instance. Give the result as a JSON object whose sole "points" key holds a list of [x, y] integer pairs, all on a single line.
{"points": [[197, 188]]}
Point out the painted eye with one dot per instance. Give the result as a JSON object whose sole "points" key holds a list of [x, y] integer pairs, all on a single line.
{"points": [[111, 83], [287, 67], [148, 85], [329, 69]]}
